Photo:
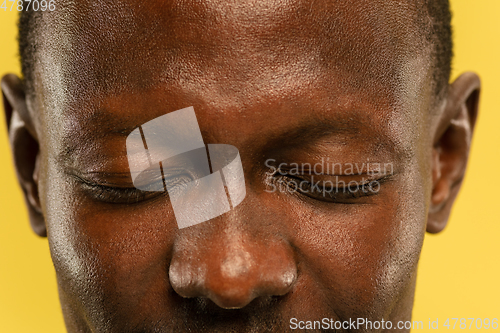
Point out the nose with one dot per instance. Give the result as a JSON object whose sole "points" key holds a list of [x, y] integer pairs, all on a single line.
{"points": [[231, 268]]}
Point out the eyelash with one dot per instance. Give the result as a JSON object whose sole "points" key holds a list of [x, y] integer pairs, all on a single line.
{"points": [[340, 195], [131, 195], [120, 195], [127, 195]]}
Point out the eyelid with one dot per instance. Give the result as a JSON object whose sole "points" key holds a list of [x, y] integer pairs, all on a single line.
{"points": [[102, 180], [119, 195], [112, 179], [368, 178], [129, 194], [381, 178], [110, 193], [345, 197]]}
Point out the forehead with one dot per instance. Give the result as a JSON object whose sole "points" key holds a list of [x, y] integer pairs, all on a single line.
{"points": [[162, 39], [108, 61]]}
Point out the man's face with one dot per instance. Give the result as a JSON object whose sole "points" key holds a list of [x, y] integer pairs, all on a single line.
{"points": [[283, 81]]}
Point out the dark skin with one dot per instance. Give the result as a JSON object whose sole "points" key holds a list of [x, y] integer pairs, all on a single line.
{"points": [[294, 82]]}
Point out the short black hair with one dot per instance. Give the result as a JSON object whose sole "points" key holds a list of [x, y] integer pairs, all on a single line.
{"points": [[440, 37]]}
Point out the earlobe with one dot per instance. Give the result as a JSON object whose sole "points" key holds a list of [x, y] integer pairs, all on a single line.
{"points": [[452, 139], [25, 148]]}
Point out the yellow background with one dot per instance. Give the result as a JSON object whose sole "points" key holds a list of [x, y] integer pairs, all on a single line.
{"points": [[459, 270]]}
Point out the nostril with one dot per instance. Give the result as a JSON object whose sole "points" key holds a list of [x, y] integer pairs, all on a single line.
{"points": [[182, 280], [229, 285], [238, 292], [232, 279]]}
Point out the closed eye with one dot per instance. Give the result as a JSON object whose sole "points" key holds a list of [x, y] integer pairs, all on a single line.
{"points": [[131, 195], [333, 189]]}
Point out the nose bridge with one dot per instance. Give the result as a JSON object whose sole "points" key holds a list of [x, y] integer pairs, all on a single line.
{"points": [[231, 263]]}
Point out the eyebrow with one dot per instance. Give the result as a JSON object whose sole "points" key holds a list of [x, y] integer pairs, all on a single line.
{"points": [[349, 124], [114, 125], [311, 130], [337, 131], [344, 126], [315, 129]]}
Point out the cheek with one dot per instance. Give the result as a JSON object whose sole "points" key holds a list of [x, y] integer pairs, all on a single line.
{"points": [[363, 258], [110, 259]]}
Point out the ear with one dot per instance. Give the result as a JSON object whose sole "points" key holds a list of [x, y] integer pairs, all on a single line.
{"points": [[25, 148], [452, 140]]}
